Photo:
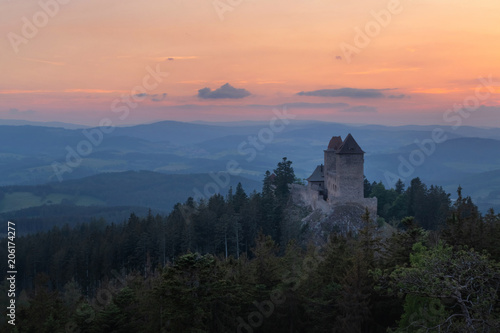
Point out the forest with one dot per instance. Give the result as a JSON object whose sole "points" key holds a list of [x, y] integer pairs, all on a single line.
{"points": [[242, 263]]}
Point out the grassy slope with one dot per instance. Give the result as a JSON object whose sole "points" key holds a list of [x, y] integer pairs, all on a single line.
{"points": [[144, 188]]}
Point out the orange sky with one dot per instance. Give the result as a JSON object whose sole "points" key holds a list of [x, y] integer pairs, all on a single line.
{"points": [[84, 55]]}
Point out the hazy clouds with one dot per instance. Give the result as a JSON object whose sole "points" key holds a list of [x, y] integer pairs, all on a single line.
{"points": [[399, 96], [345, 92], [17, 112], [152, 97], [225, 91], [303, 105], [361, 108]]}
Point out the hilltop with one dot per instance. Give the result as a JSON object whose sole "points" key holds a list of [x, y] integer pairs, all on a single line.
{"points": [[110, 195], [194, 148]]}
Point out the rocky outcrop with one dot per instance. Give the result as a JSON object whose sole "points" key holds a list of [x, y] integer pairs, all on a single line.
{"points": [[343, 217]]}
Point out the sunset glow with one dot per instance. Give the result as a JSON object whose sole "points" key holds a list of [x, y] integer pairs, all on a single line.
{"points": [[71, 60]]}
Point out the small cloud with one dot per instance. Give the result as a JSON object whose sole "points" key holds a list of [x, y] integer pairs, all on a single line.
{"points": [[398, 96], [338, 57], [171, 58], [17, 112], [316, 105], [225, 91], [303, 105], [158, 97], [345, 92], [91, 91], [153, 97], [361, 108]]}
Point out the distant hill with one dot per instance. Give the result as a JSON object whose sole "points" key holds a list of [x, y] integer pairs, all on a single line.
{"points": [[451, 160], [44, 218], [483, 187], [112, 196], [27, 153], [141, 189], [17, 122], [472, 163], [181, 133]]}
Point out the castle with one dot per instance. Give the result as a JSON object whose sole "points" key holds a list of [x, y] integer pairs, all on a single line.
{"points": [[340, 180]]}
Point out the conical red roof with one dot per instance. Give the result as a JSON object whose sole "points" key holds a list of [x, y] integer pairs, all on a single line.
{"points": [[335, 142]]}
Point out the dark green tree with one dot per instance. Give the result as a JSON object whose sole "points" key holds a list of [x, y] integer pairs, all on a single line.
{"points": [[367, 188], [240, 198], [464, 226], [400, 187], [200, 294], [284, 176], [416, 198], [464, 281]]}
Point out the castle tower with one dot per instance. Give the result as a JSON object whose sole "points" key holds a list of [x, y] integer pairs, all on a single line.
{"points": [[340, 181], [330, 161], [349, 175]]}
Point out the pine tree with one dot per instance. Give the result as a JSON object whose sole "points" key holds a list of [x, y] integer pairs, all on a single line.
{"points": [[240, 198], [400, 186], [284, 176], [367, 188], [464, 226], [355, 302]]}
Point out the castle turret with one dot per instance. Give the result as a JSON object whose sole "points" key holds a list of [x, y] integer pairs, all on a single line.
{"points": [[330, 161], [349, 170]]}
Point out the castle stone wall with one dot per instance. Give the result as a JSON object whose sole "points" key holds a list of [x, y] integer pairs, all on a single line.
{"points": [[306, 196], [331, 184], [349, 176], [369, 203], [330, 160], [329, 169]]}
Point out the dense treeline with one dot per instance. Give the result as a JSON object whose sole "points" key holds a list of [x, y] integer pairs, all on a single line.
{"points": [[45, 218], [222, 226], [429, 206], [105, 195], [236, 264]]}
